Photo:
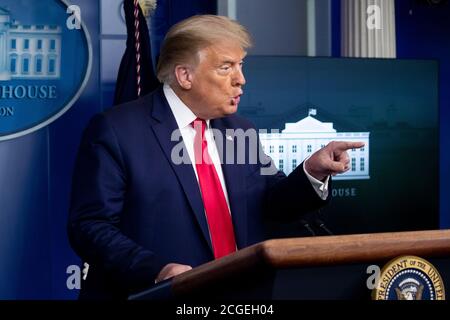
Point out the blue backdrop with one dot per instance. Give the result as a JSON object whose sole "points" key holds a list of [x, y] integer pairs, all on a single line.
{"points": [[35, 170]]}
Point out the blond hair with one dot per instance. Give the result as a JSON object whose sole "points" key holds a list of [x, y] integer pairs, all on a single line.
{"points": [[187, 38]]}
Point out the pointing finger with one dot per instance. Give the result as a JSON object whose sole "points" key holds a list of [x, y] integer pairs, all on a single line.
{"points": [[346, 145]]}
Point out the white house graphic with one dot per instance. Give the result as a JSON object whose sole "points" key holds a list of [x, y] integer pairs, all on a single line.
{"points": [[28, 51], [301, 139]]}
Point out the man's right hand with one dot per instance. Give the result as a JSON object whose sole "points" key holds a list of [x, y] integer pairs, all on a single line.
{"points": [[171, 270]]}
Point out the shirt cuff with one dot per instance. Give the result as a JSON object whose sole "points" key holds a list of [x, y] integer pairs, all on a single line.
{"points": [[320, 187]]}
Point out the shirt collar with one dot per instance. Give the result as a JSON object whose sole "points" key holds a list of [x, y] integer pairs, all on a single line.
{"points": [[183, 115]]}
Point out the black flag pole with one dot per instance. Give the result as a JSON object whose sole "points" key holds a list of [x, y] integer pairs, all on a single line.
{"points": [[136, 75]]}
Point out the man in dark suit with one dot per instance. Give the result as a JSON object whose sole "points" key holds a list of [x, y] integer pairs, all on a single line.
{"points": [[162, 184]]}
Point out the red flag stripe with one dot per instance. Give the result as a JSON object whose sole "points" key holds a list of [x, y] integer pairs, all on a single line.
{"points": [[138, 46]]}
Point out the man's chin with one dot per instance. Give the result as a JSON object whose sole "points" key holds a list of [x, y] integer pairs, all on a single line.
{"points": [[227, 111], [231, 109]]}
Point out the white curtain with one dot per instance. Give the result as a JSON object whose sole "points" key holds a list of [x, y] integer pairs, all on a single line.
{"points": [[360, 41]]}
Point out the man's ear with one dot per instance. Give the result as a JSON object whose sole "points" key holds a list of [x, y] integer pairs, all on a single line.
{"points": [[183, 74]]}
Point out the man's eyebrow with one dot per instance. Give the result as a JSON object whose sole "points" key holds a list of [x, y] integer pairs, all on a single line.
{"points": [[230, 61], [227, 61]]}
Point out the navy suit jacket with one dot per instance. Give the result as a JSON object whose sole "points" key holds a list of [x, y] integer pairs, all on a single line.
{"points": [[133, 210]]}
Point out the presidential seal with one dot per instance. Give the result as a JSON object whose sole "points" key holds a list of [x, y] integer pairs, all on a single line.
{"points": [[409, 278]]}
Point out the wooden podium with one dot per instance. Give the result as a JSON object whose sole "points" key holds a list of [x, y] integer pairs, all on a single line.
{"points": [[329, 267]]}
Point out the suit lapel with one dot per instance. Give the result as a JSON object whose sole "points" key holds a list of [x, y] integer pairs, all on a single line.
{"points": [[163, 127], [234, 175]]}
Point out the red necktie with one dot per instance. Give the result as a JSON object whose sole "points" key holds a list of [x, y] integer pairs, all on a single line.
{"points": [[217, 212]]}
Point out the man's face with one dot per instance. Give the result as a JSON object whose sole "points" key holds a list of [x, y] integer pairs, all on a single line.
{"points": [[217, 81]]}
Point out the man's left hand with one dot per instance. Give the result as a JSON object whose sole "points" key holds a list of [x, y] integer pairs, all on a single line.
{"points": [[331, 160]]}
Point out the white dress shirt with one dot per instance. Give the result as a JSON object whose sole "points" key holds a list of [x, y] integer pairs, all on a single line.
{"points": [[184, 117]]}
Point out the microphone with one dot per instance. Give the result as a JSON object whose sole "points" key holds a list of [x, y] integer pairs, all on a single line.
{"points": [[323, 226], [319, 223], [307, 226]]}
